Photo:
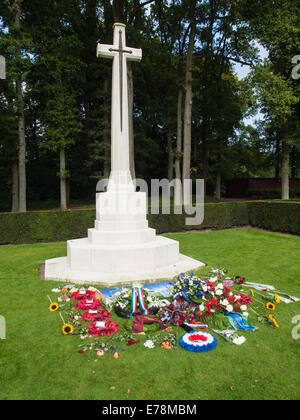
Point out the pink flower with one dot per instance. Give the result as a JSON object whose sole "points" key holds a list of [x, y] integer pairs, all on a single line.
{"points": [[100, 353], [228, 283], [116, 355]]}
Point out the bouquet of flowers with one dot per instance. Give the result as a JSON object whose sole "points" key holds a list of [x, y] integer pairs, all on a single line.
{"points": [[211, 296], [121, 302]]}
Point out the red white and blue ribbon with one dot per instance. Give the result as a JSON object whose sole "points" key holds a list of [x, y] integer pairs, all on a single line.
{"points": [[142, 301], [137, 295]]}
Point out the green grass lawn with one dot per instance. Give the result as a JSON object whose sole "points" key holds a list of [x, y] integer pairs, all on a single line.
{"points": [[38, 362]]}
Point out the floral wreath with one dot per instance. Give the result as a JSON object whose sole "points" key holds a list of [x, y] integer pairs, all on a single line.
{"points": [[101, 315], [198, 343], [108, 329], [86, 304], [88, 294], [121, 303]]}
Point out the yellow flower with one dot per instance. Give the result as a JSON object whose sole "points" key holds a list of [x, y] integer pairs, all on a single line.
{"points": [[252, 292], [53, 307], [271, 306], [273, 320], [67, 329], [276, 298]]}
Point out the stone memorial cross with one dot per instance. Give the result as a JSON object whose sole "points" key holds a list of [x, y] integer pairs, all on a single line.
{"points": [[120, 53]]}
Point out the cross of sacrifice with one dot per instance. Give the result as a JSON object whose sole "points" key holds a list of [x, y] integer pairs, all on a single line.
{"points": [[120, 53]]}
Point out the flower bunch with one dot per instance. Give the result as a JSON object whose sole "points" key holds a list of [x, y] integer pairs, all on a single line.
{"points": [[177, 313], [122, 300], [212, 295]]}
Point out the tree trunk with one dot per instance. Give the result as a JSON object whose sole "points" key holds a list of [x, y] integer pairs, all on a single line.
{"points": [[21, 119], [186, 169], [285, 171], [293, 163], [15, 188], [277, 159], [218, 185], [130, 117], [170, 155], [22, 148], [177, 192], [63, 183]]}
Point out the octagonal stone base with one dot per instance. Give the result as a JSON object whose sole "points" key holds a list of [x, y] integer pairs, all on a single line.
{"points": [[58, 270]]}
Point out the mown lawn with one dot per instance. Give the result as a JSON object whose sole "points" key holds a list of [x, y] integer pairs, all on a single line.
{"points": [[38, 362]]}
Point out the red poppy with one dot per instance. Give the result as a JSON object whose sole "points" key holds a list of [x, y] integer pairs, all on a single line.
{"points": [[214, 302], [207, 313], [237, 309]]}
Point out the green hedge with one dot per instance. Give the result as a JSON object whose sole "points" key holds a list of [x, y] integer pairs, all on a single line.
{"points": [[275, 216], [272, 193], [55, 226]]}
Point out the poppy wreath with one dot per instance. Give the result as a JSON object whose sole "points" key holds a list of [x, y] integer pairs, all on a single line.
{"points": [[109, 329], [85, 305], [101, 315], [80, 296]]}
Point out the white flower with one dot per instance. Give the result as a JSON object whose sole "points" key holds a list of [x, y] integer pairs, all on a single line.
{"points": [[213, 279], [239, 341], [224, 302], [246, 314], [219, 292], [55, 290], [219, 286], [244, 307], [229, 308], [149, 344], [201, 307]]}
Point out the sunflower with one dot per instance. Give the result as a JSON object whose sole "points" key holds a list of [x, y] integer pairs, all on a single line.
{"points": [[274, 321], [53, 307], [67, 329], [271, 306], [276, 298]]}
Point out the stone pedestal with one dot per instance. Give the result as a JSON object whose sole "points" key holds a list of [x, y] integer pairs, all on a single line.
{"points": [[121, 249]]}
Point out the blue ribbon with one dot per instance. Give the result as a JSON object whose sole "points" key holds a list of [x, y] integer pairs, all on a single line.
{"points": [[238, 321]]}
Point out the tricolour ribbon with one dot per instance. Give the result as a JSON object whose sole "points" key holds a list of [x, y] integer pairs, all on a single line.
{"points": [[142, 301], [133, 301], [137, 295]]}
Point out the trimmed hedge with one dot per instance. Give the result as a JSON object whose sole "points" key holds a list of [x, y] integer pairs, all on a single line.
{"points": [[272, 193], [275, 216], [56, 226]]}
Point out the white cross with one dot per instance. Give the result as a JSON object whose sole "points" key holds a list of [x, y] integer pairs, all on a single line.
{"points": [[120, 53]]}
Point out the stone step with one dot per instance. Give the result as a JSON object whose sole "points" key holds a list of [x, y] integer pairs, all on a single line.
{"points": [[121, 226], [82, 255], [126, 237]]}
